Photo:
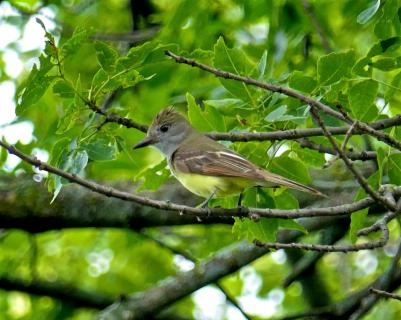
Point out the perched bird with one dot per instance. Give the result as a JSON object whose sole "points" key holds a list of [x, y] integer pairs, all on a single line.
{"points": [[204, 166]]}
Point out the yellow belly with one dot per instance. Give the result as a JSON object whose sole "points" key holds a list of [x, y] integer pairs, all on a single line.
{"points": [[204, 186]]}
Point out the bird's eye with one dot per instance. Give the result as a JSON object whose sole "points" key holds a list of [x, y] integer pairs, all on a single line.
{"points": [[164, 128]]}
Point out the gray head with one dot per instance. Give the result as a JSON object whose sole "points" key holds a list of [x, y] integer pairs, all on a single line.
{"points": [[167, 131]]}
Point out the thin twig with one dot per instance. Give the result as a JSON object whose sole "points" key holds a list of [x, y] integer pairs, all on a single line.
{"points": [[385, 219], [363, 155], [256, 136], [385, 294], [362, 181], [111, 117], [381, 136], [329, 248], [348, 136]]}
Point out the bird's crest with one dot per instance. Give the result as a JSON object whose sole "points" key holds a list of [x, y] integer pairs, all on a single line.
{"points": [[168, 115]]}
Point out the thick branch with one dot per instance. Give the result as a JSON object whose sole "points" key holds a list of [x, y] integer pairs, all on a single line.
{"points": [[24, 204]]}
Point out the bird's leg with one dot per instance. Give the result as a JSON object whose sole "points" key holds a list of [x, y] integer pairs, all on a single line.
{"points": [[239, 206], [205, 204]]}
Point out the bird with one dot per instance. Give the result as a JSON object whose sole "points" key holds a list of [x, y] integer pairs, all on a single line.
{"points": [[204, 166]]}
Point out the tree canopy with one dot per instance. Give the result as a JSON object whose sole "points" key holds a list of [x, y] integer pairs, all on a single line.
{"points": [[91, 229]]}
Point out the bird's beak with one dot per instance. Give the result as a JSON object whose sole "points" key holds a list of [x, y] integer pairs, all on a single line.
{"points": [[148, 140]]}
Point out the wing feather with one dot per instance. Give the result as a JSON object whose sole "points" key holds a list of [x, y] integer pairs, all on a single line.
{"points": [[216, 163]]}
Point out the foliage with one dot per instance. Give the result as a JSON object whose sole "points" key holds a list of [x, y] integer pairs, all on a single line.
{"points": [[73, 75]]}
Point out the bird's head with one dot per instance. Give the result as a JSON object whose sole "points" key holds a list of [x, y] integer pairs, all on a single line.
{"points": [[167, 131]]}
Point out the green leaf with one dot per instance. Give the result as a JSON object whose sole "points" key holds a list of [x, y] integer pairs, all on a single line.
{"points": [[66, 156], [101, 148], [67, 121], [230, 107], [263, 230], [362, 98], [394, 168], [286, 200], [291, 169], [391, 90], [154, 177], [79, 95], [290, 224], [384, 47], [237, 62], [124, 78], [368, 13], [334, 66], [106, 55], [261, 67], [279, 114], [36, 84], [149, 52], [72, 45], [300, 82], [309, 157], [63, 89], [387, 64], [389, 23], [208, 120]]}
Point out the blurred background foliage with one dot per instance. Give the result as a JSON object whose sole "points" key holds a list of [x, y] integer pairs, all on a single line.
{"points": [[274, 41]]}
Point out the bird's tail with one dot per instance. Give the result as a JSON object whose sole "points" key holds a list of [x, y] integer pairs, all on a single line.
{"points": [[275, 179]]}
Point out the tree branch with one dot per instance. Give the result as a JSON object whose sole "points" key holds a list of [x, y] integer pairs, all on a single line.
{"points": [[288, 92], [362, 181], [385, 294], [330, 248], [183, 209], [363, 156]]}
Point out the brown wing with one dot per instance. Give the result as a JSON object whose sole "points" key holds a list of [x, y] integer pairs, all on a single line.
{"points": [[216, 163]]}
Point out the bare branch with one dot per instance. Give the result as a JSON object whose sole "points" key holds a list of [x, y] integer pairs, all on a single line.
{"points": [[329, 248], [385, 294], [341, 210], [386, 219], [381, 136], [363, 155]]}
